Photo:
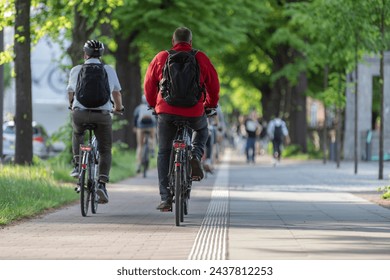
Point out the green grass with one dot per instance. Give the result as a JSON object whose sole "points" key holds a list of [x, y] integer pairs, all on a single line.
{"points": [[294, 152], [27, 191]]}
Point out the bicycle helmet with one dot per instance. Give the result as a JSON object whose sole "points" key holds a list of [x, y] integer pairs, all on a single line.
{"points": [[94, 48]]}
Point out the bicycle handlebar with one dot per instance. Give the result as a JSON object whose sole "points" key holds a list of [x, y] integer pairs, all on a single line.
{"points": [[111, 112], [209, 111]]}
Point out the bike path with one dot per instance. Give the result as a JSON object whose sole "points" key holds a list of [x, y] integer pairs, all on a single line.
{"points": [[296, 210]]}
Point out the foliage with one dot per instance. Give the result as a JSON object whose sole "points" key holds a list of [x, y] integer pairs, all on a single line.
{"points": [[295, 152], [385, 192], [251, 43]]}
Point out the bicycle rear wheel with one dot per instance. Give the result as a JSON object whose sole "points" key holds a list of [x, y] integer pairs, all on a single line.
{"points": [[178, 200], [186, 197], [84, 194], [182, 205], [94, 200], [145, 158], [187, 185]]}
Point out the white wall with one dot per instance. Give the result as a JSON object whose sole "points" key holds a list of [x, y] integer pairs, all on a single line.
{"points": [[49, 97]]}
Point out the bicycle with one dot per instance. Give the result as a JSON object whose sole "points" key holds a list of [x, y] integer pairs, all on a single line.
{"points": [[180, 172], [88, 173]]}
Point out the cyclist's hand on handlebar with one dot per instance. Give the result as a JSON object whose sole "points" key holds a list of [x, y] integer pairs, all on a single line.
{"points": [[210, 112], [153, 110], [119, 111]]}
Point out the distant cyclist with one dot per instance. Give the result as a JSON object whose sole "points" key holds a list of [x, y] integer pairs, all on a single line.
{"points": [[144, 124], [202, 80], [277, 131], [92, 87], [217, 129]]}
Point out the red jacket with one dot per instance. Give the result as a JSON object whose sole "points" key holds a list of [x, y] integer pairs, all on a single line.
{"points": [[208, 77]]}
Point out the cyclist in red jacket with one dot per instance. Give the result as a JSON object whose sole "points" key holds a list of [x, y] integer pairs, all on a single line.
{"points": [[195, 115]]}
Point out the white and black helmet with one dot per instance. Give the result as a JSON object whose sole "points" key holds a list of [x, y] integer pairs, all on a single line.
{"points": [[94, 48]]}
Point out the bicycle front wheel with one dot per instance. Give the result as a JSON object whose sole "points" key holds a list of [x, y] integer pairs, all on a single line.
{"points": [[94, 185], [84, 194]]}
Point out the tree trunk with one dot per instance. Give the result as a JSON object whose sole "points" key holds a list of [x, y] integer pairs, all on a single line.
{"points": [[23, 115], [80, 34], [129, 74], [298, 124], [275, 98], [325, 131], [356, 134], [338, 125], [382, 94], [283, 100]]}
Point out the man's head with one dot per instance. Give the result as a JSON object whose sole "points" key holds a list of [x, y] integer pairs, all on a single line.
{"points": [[253, 115], [93, 48], [182, 34]]}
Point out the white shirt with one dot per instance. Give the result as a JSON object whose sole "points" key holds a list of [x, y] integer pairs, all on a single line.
{"points": [[276, 122], [113, 81]]}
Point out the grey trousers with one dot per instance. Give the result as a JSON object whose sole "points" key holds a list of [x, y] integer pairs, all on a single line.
{"points": [[103, 133]]}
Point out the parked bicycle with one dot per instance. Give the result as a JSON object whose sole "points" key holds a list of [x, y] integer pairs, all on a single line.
{"points": [[180, 173], [88, 173]]}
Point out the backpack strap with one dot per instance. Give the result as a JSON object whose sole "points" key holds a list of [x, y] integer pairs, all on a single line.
{"points": [[194, 52]]}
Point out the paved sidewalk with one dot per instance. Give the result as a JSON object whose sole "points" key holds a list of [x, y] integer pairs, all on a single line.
{"points": [[296, 210], [306, 211]]}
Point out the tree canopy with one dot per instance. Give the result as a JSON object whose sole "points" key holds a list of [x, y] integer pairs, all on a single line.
{"points": [[270, 55]]}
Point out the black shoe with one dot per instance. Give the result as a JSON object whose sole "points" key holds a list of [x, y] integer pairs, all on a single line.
{"points": [[197, 170], [75, 172], [102, 193], [165, 205]]}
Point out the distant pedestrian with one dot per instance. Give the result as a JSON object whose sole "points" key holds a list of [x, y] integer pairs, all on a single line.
{"points": [[277, 132], [263, 138], [253, 130]]}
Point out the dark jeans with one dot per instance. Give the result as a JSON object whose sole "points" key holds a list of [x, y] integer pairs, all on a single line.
{"points": [[250, 149], [166, 132], [103, 133], [277, 143]]}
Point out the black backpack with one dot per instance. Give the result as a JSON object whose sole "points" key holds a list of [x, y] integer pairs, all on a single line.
{"points": [[93, 89], [278, 133], [180, 83]]}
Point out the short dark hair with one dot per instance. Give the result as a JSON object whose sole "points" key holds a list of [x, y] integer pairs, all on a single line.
{"points": [[182, 34]]}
